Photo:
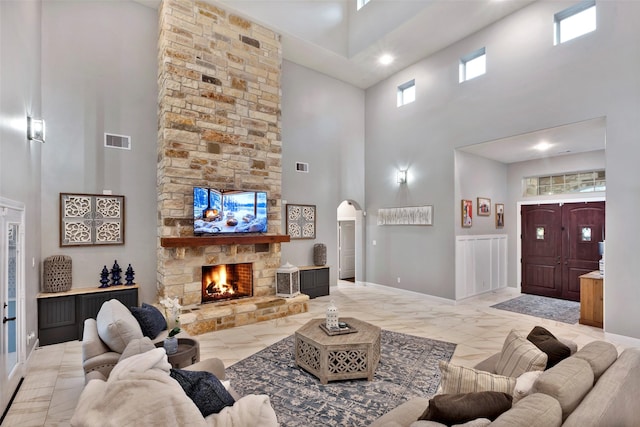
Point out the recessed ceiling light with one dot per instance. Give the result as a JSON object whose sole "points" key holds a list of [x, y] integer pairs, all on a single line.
{"points": [[385, 59], [542, 146]]}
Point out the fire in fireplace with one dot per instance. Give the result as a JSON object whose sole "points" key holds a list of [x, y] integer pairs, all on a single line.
{"points": [[226, 282]]}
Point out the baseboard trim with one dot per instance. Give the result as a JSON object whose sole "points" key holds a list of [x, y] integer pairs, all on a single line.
{"points": [[408, 292], [622, 340]]}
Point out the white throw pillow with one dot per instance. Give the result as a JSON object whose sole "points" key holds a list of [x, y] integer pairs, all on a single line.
{"points": [[524, 384], [116, 325], [519, 355]]}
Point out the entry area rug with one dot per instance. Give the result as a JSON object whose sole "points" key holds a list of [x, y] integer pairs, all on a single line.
{"points": [[545, 307], [408, 368]]}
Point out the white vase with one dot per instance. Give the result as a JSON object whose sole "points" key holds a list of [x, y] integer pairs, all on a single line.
{"points": [[171, 345]]}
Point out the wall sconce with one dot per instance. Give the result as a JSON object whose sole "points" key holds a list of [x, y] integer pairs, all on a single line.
{"points": [[402, 177], [35, 129]]}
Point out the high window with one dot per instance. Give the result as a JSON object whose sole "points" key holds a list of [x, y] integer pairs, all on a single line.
{"points": [[361, 3], [473, 65], [575, 21], [406, 93], [579, 182]]}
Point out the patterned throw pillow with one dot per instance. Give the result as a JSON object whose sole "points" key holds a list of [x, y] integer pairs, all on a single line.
{"points": [[519, 356], [150, 319], [460, 379]]}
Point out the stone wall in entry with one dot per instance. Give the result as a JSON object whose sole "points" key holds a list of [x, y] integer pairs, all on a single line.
{"points": [[219, 127]]}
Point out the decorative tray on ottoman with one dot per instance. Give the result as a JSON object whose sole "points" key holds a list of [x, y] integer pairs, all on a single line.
{"points": [[348, 329]]}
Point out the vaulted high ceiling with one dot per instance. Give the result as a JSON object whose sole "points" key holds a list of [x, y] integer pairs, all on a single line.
{"points": [[332, 37]]}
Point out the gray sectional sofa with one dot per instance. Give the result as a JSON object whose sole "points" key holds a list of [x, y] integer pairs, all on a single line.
{"points": [[593, 387]]}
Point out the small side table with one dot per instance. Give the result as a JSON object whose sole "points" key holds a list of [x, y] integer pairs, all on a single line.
{"points": [[188, 353]]}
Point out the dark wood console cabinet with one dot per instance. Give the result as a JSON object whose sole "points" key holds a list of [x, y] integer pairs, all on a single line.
{"points": [[61, 315], [314, 280]]}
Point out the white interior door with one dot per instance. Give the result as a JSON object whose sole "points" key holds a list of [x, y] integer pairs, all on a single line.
{"points": [[11, 301], [347, 249]]}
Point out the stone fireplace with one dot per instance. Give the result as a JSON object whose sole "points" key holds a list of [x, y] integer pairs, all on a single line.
{"points": [[226, 282], [218, 127]]}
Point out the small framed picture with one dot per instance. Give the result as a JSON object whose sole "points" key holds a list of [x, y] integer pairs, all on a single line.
{"points": [[484, 206], [467, 213], [499, 215]]}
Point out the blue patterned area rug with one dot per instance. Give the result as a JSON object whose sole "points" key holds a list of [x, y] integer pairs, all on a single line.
{"points": [[408, 367], [545, 307]]}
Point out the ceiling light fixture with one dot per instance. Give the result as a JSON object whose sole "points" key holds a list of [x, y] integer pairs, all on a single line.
{"points": [[385, 59], [543, 146]]}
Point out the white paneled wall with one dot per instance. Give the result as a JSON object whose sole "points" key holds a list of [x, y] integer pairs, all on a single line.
{"points": [[481, 264]]}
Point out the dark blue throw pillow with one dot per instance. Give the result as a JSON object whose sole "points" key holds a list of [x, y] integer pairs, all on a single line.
{"points": [[205, 389], [150, 319]]}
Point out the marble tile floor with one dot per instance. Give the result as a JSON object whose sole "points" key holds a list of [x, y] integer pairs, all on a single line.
{"points": [[55, 378]]}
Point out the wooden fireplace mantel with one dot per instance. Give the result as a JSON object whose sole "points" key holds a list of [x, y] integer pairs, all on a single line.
{"points": [[251, 239]]}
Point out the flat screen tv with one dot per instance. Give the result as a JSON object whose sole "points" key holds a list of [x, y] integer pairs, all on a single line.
{"points": [[228, 211]]}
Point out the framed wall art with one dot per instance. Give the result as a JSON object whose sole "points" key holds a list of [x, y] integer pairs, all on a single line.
{"points": [[413, 215], [484, 206], [301, 221], [91, 220], [467, 213], [499, 215]]}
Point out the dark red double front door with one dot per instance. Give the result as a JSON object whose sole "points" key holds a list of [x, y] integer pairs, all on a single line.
{"points": [[559, 244]]}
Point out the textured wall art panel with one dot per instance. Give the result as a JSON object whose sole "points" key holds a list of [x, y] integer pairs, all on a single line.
{"points": [[414, 215], [91, 219], [301, 221]]}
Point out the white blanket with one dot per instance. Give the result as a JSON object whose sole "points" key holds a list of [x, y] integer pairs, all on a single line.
{"points": [[140, 392]]}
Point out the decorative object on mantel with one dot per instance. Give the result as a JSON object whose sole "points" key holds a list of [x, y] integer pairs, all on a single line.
{"points": [[287, 281], [170, 343], [129, 276], [301, 221], [319, 254], [332, 317], [104, 278], [91, 220], [412, 215], [116, 279], [484, 206], [467, 213], [57, 273]]}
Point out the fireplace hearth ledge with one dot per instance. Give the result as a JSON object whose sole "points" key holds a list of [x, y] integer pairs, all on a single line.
{"points": [[218, 316]]}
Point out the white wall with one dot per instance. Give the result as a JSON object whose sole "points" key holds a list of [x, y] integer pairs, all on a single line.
{"points": [[323, 125], [20, 95], [479, 177], [530, 84], [99, 72]]}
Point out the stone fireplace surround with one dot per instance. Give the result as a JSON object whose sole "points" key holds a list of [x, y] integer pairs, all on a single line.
{"points": [[218, 127]]}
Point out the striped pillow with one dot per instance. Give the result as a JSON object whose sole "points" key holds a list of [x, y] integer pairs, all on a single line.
{"points": [[519, 356], [459, 379]]}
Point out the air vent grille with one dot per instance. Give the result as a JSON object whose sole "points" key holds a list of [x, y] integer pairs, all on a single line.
{"points": [[302, 167], [122, 142]]}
